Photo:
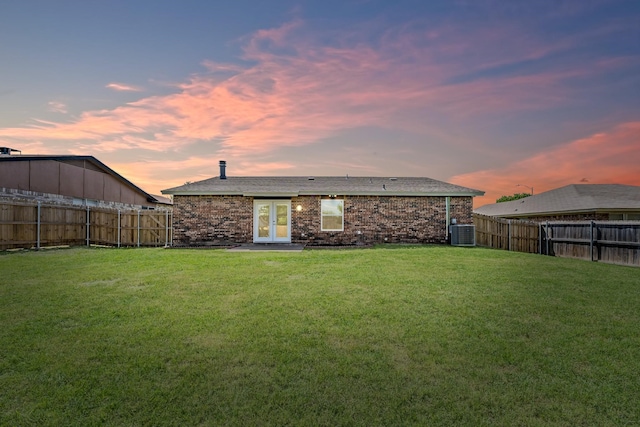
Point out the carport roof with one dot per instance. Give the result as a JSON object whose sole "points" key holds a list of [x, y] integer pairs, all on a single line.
{"points": [[96, 164]]}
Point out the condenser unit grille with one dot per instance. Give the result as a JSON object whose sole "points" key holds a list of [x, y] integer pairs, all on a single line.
{"points": [[463, 235]]}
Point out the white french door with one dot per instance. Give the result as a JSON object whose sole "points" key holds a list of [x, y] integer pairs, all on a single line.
{"points": [[271, 221]]}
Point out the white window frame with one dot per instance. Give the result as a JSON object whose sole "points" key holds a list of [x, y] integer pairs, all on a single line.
{"points": [[322, 202]]}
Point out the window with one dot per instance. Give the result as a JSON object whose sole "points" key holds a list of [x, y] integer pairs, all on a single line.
{"points": [[332, 218]]}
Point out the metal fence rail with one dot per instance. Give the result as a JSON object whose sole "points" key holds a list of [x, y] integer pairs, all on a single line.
{"points": [[24, 225]]}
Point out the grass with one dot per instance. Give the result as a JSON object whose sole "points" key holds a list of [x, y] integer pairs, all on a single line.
{"points": [[400, 336]]}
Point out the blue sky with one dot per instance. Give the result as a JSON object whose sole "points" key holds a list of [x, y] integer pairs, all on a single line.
{"points": [[487, 94]]}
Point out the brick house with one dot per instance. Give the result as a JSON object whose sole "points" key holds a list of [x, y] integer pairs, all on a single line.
{"points": [[575, 202], [317, 210]]}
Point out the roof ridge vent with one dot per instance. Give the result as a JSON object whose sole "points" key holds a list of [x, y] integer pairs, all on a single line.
{"points": [[311, 178]]}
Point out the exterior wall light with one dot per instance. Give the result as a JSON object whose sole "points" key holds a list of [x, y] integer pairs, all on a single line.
{"points": [[299, 208]]}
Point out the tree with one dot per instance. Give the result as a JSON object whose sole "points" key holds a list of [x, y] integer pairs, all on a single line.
{"points": [[514, 197]]}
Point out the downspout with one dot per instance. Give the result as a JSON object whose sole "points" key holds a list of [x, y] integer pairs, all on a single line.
{"points": [[448, 215]]}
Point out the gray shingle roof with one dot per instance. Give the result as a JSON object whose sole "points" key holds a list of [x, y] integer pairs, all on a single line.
{"points": [[572, 198], [321, 185]]}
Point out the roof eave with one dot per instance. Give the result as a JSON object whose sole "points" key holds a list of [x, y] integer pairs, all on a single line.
{"points": [[201, 193], [318, 193], [547, 213], [270, 194], [392, 193]]}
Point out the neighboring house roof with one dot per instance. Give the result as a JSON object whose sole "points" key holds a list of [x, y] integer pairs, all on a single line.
{"points": [[575, 198], [163, 200], [92, 160], [290, 186]]}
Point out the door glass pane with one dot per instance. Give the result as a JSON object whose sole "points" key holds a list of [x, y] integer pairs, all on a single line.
{"points": [[264, 220], [282, 221]]}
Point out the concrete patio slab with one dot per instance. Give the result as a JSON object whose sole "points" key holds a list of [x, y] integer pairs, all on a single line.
{"points": [[267, 247]]}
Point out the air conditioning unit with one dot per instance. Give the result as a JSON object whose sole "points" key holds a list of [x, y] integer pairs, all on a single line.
{"points": [[463, 235]]}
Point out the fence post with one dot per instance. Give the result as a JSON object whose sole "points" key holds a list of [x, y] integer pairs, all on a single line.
{"points": [[88, 226], [166, 229], [539, 238], [591, 240], [509, 233], [546, 236], [118, 227], [138, 227], [38, 228]]}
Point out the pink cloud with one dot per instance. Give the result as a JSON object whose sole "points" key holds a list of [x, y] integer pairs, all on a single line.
{"points": [[610, 157], [121, 87], [299, 92], [294, 90], [57, 107], [154, 176]]}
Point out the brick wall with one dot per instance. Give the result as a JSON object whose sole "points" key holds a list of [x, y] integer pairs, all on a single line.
{"points": [[219, 220], [212, 220]]}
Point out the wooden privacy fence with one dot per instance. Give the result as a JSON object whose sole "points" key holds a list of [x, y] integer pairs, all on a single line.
{"points": [[38, 225], [507, 234], [616, 242]]}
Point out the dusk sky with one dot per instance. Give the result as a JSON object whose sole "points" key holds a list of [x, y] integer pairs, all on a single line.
{"points": [[486, 94]]}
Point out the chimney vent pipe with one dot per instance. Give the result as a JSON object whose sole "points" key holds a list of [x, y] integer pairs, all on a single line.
{"points": [[223, 167]]}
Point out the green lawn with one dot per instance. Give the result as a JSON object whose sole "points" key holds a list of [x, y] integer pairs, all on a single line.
{"points": [[428, 335]]}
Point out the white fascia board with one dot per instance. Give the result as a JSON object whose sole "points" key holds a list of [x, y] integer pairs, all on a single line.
{"points": [[387, 193], [563, 212], [317, 193], [545, 213], [204, 193], [231, 193]]}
